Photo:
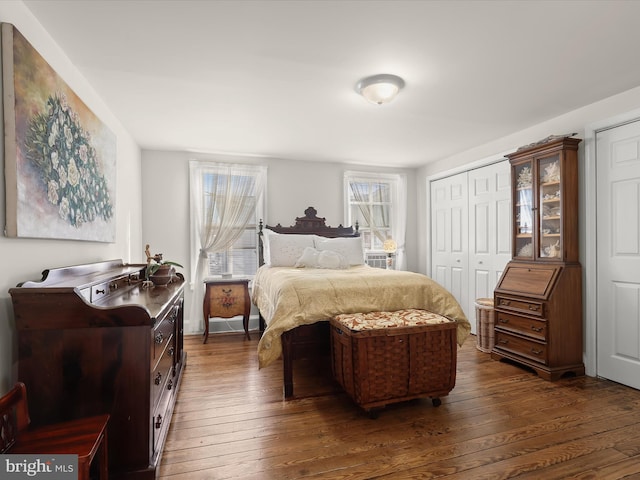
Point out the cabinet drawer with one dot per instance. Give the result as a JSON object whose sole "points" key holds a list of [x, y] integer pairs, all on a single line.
{"points": [[525, 306], [161, 417], [531, 327], [521, 346], [161, 334], [161, 376]]}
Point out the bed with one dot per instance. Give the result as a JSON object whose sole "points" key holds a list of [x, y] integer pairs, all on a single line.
{"points": [[296, 302]]}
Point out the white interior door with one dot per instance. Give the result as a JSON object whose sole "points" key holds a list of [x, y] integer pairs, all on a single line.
{"points": [[449, 242], [489, 227], [618, 254]]}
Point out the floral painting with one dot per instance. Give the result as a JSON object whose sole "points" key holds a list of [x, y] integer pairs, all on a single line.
{"points": [[59, 157]]}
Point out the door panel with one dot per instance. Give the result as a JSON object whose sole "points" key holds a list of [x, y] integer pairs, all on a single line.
{"points": [[449, 228], [471, 232], [618, 254], [489, 227]]}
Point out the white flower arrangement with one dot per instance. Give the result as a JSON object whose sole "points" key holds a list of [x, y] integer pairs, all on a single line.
{"points": [[68, 165]]}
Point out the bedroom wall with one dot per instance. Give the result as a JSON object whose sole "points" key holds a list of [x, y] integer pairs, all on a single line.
{"points": [[292, 186], [576, 121], [24, 259]]}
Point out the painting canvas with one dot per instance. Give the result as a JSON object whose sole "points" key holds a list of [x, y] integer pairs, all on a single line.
{"points": [[60, 159]]}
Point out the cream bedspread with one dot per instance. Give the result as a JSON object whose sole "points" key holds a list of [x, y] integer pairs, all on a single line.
{"points": [[288, 297]]}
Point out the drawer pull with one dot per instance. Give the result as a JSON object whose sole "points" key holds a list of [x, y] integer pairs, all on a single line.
{"points": [[159, 338], [536, 329], [534, 308], [505, 302], [100, 291], [158, 378], [504, 342], [170, 351], [536, 352], [169, 384], [158, 421], [503, 320]]}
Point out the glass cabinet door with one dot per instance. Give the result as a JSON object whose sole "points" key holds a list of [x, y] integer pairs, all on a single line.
{"points": [[550, 207], [523, 206]]}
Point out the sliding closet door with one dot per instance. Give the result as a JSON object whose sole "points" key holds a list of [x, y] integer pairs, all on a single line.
{"points": [[449, 236], [489, 227]]}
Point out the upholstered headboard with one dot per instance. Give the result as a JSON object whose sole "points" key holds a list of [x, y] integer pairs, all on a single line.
{"points": [[310, 224]]}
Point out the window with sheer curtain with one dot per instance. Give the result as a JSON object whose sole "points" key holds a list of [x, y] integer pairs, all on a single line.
{"points": [[378, 203], [226, 202]]}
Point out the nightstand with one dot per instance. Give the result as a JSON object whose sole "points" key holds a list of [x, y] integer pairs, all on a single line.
{"points": [[225, 299]]}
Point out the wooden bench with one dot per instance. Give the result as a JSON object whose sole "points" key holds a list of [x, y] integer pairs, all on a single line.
{"points": [[85, 437]]}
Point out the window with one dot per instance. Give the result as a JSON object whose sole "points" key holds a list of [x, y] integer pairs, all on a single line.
{"points": [[227, 202], [240, 259], [378, 203]]}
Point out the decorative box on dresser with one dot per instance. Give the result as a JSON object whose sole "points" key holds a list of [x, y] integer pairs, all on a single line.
{"points": [[538, 299], [93, 339]]}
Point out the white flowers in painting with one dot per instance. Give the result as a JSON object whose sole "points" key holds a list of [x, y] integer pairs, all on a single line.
{"points": [[61, 150]]}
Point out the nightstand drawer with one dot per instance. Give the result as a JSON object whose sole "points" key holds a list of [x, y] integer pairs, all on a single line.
{"points": [[525, 306], [226, 301], [522, 347], [530, 327]]}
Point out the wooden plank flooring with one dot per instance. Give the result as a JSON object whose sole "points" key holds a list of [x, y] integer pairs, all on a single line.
{"points": [[500, 421]]}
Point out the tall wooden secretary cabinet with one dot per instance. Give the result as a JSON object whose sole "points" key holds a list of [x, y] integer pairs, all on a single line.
{"points": [[93, 339], [538, 300]]}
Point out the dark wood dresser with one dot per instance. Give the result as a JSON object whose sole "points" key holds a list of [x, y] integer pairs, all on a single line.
{"points": [[93, 339]]}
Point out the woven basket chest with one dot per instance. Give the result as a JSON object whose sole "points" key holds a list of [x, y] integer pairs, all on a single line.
{"points": [[386, 357]]}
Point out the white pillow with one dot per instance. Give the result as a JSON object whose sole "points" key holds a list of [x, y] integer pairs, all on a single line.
{"points": [[266, 235], [309, 258], [350, 248], [285, 249], [331, 259], [312, 258]]}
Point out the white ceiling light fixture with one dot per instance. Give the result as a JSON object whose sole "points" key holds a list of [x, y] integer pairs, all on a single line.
{"points": [[380, 88]]}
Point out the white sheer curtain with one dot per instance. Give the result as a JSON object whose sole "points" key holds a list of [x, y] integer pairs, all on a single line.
{"points": [[398, 208], [399, 226], [361, 194], [223, 203]]}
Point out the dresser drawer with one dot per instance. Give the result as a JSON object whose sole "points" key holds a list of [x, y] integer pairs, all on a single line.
{"points": [[520, 305], [161, 334], [521, 346], [161, 416], [162, 376], [531, 327]]}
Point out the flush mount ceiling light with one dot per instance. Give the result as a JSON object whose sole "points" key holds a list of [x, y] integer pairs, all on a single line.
{"points": [[381, 88]]}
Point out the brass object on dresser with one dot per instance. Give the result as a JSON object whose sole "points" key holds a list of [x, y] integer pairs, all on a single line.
{"points": [[92, 340], [538, 300]]}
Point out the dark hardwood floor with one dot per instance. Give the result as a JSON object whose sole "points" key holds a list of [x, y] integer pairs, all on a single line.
{"points": [[500, 421]]}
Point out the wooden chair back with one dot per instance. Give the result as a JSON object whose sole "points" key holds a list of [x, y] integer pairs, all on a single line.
{"points": [[14, 415]]}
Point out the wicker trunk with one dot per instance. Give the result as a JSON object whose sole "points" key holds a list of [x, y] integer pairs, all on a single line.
{"points": [[390, 362]]}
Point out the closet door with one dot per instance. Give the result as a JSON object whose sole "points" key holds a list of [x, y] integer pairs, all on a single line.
{"points": [[449, 236], [618, 250], [489, 228]]}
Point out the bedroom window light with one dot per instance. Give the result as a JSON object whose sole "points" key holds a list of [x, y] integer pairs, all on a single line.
{"points": [[378, 203], [226, 202]]}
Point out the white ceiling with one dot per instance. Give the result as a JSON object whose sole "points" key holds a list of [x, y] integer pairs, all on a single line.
{"points": [[276, 78]]}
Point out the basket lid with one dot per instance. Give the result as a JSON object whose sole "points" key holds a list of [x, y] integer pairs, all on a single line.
{"points": [[484, 302]]}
